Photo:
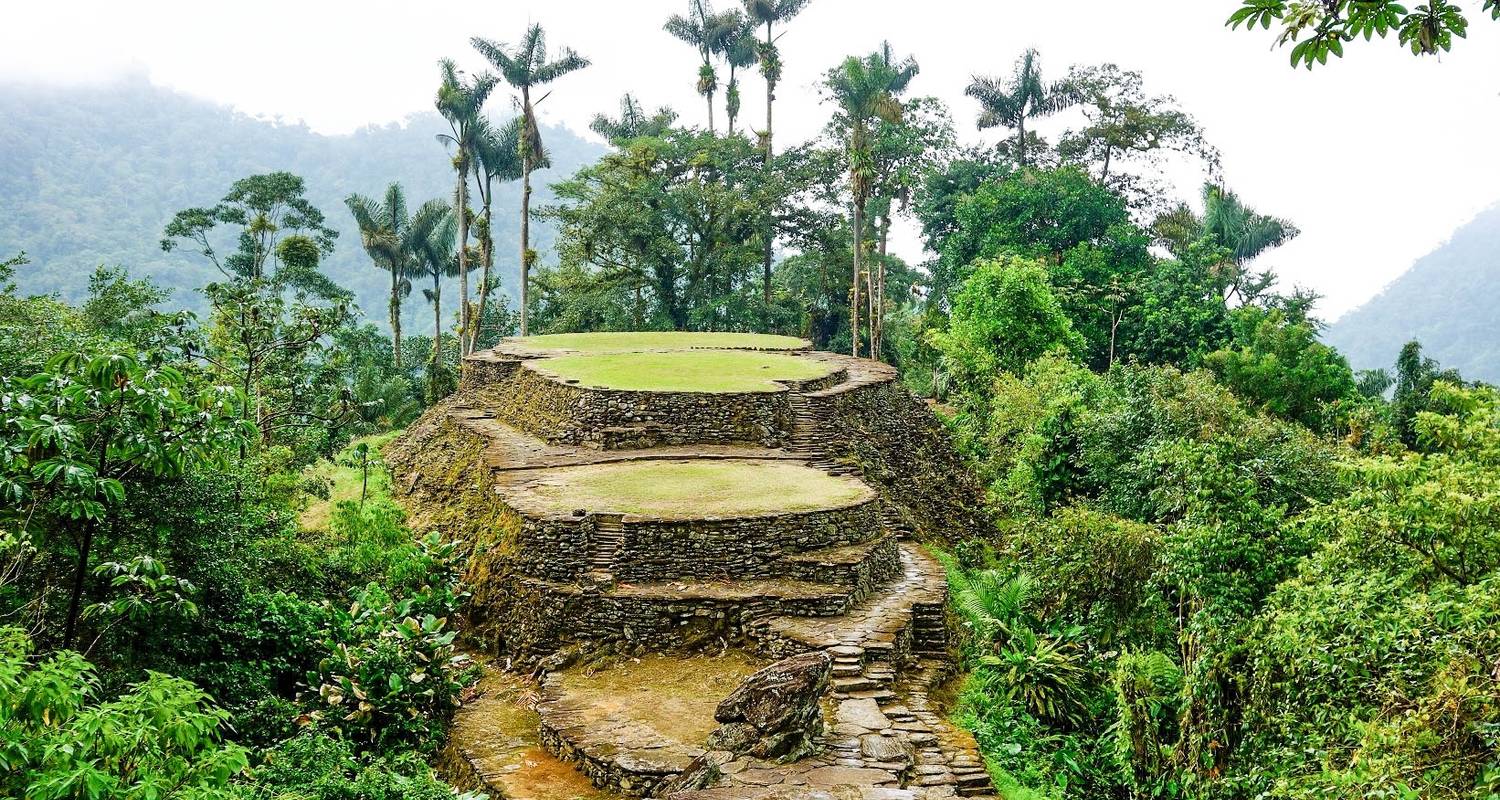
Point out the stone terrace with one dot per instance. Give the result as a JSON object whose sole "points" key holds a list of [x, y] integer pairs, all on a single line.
{"points": [[847, 580]]}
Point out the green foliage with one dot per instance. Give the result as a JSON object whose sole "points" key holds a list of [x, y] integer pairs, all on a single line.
{"points": [[1004, 317], [162, 738], [316, 766], [1281, 366], [392, 675], [1319, 30]]}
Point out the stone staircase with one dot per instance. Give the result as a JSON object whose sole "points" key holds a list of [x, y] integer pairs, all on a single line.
{"points": [[810, 438]]}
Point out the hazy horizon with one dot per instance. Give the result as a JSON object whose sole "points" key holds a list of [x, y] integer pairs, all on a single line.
{"points": [[1288, 137]]}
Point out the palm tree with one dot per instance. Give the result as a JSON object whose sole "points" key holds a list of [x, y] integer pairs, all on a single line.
{"points": [[770, 13], [1010, 103], [460, 102], [706, 32], [736, 43], [526, 67], [497, 154], [633, 122], [1227, 223], [382, 230], [865, 90], [437, 259]]}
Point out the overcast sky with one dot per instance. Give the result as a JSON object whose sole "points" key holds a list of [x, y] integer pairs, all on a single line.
{"points": [[1377, 158]]}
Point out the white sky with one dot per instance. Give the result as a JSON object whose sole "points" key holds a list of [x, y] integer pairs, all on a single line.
{"points": [[1378, 158]]}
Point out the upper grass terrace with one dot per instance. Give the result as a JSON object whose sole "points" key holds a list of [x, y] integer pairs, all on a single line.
{"points": [[684, 370], [655, 340]]}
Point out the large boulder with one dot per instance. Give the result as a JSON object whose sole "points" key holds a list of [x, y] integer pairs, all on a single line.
{"points": [[775, 713]]}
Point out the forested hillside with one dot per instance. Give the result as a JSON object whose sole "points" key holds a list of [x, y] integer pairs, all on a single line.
{"points": [[91, 176], [1447, 301]]}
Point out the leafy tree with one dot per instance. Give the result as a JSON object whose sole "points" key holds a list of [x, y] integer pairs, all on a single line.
{"points": [[1024, 96], [1280, 365], [1416, 375], [633, 122], [865, 90], [1428, 29], [525, 67], [163, 738], [1125, 123], [78, 436], [1004, 317], [438, 261], [671, 223], [461, 102], [1236, 229], [942, 190]]}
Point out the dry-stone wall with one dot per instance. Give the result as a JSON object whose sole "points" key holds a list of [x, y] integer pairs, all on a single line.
{"points": [[613, 419]]}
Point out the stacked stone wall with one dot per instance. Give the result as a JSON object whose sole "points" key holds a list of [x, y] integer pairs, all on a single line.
{"points": [[748, 547], [614, 419], [907, 454]]}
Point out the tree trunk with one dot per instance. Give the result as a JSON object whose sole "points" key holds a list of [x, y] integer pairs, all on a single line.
{"points": [[1021, 140], [859, 222], [396, 314], [770, 234], [463, 256], [885, 236], [437, 338], [526, 147], [80, 572], [710, 97], [488, 246]]}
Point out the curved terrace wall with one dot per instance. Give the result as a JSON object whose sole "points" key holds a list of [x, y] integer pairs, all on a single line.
{"points": [[560, 547]]}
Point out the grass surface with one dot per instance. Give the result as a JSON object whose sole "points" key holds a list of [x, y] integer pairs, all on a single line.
{"points": [[686, 370], [342, 477], [701, 487], [657, 340]]}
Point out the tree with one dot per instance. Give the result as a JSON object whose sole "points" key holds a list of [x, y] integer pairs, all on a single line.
{"points": [[266, 324], [78, 434], [438, 261], [1280, 365], [633, 122], [1024, 96], [738, 47], [384, 232], [163, 738], [865, 90], [525, 67], [498, 157], [709, 33], [671, 223], [770, 13], [1428, 29], [461, 103], [1237, 230], [1125, 122], [1004, 317]]}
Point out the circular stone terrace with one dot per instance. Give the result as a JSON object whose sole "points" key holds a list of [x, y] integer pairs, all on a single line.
{"points": [[552, 344], [687, 489]]}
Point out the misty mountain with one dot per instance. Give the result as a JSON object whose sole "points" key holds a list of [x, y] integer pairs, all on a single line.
{"points": [[1449, 301], [91, 175]]}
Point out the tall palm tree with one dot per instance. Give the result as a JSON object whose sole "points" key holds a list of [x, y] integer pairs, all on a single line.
{"points": [[460, 102], [708, 33], [770, 13], [736, 43], [382, 231], [633, 122], [526, 67], [1024, 96], [497, 152], [865, 90], [437, 258]]}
